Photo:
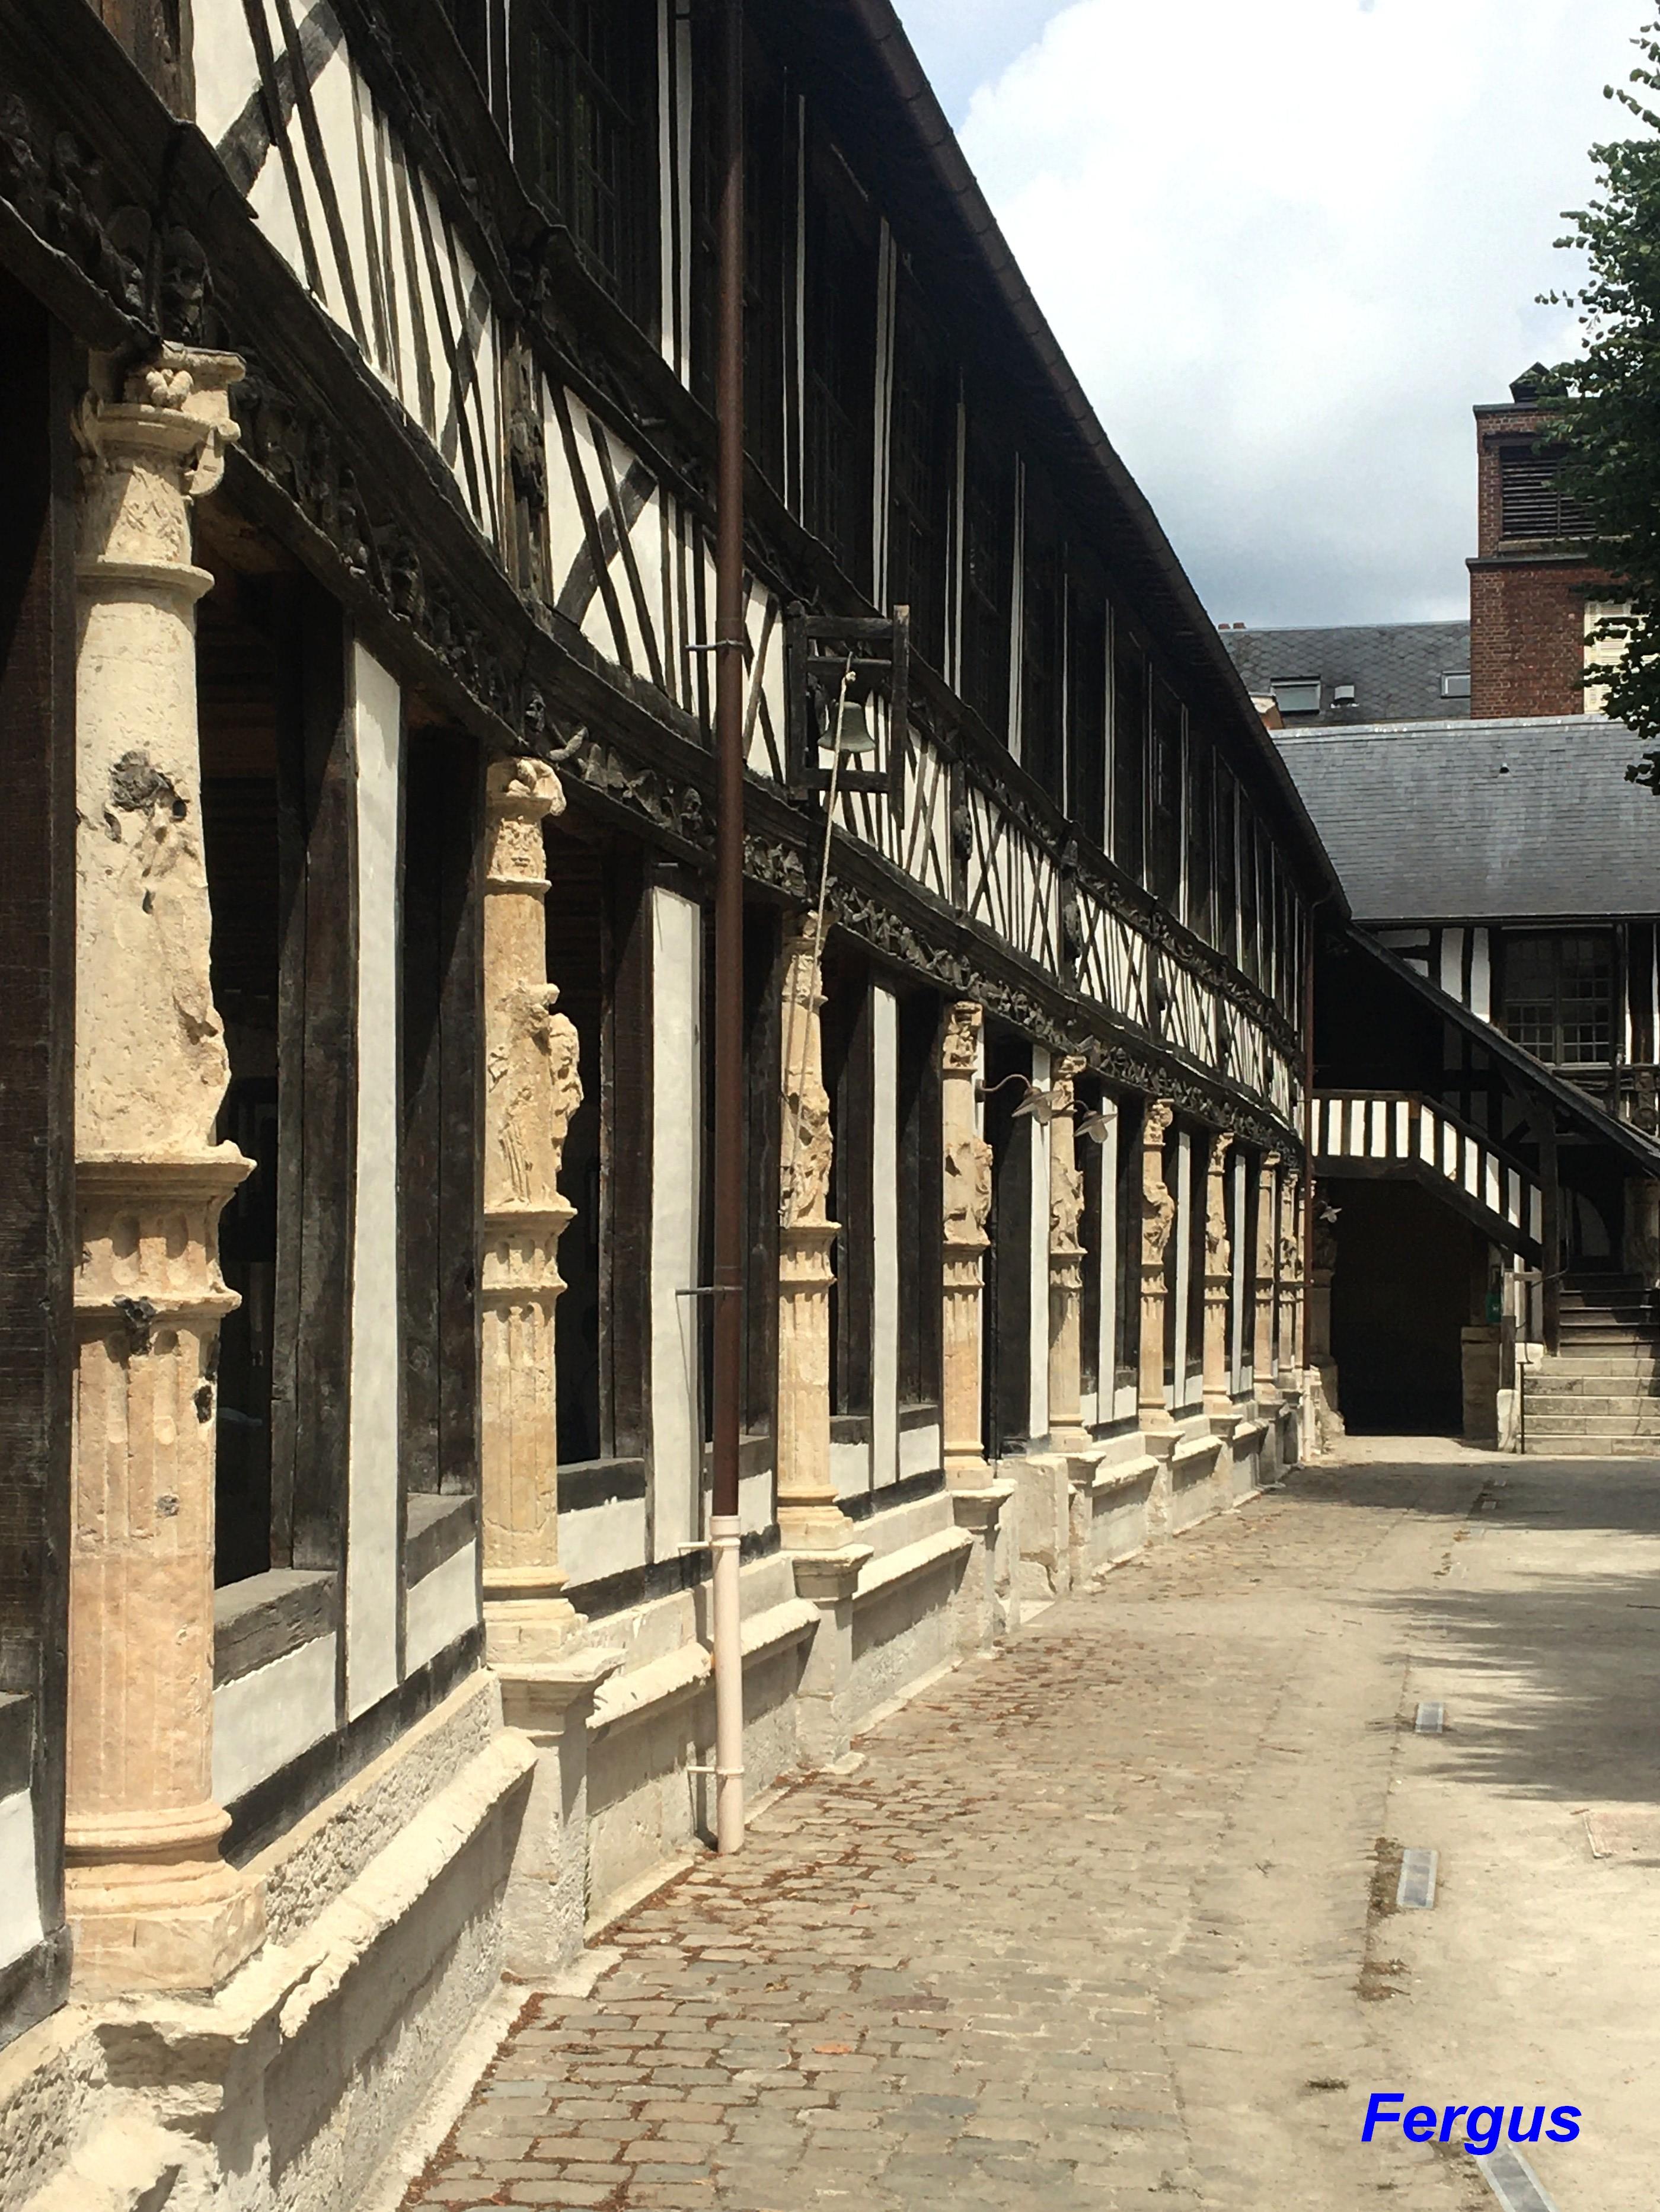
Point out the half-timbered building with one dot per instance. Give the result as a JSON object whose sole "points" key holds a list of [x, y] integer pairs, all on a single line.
{"points": [[355, 563], [1486, 1241]]}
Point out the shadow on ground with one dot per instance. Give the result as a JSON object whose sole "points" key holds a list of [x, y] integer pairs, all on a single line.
{"points": [[1561, 1691]]}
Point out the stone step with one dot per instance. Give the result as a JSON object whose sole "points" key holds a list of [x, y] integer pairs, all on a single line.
{"points": [[1646, 1433], [1580, 1389], [1538, 1447]]}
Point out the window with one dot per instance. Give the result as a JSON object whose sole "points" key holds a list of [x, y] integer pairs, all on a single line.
{"points": [[921, 1167], [597, 956], [1531, 500], [768, 203], [586, 135], [988, 562], [1250, 929], [469, 21], [1455, 687], [1227, 864], [440, 1036], [1558, 997], [849, 1079], [1043, 650], [1200, 910], [1127, 1319], [1165, 824], [923, 440], [1129, 758], [1086, 700], [841, 338], [1297, 694]]}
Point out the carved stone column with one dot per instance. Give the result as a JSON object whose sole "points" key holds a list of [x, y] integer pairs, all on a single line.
{"points": [[1264, 1386], [1218, 1277], [967, 1208], [152, 1903], [1067, 1429], [1321, 1367], [531, 1088], [1157, 1219], [809, 1518], [1291, 1284]]}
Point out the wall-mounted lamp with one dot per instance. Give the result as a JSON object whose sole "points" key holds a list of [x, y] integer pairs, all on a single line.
{"points": [[1096, 1125], [1036, 1105]]}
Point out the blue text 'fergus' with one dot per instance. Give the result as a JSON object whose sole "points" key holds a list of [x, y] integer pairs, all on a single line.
{"points": [[1484, 2125]]}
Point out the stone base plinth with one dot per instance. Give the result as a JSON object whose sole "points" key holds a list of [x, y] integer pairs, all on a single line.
{"points": [[138, 1928], [523, 1630]]}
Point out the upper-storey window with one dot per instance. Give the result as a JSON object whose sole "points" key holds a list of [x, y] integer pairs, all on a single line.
{"points": [[922, 447], [1042, 641], [585, 134], [1165, 811], [1086, 698], [839, 373], [1129, 756], [469, 21], [988, 567], [1559, 996], [1226, 930], [1200, 909], [768, 212], [1531, 500]]}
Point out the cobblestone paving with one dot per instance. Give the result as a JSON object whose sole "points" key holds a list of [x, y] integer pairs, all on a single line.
{"points": [[988, 1967]]}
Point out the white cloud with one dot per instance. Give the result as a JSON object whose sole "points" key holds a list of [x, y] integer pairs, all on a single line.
{"points": [[1287, 244]]}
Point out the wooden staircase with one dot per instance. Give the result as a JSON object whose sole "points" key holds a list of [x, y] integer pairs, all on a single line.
{"points": [[1599, 1397]]}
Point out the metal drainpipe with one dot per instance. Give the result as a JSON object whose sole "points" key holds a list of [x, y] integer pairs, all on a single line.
{"points": [[727, 1320]]}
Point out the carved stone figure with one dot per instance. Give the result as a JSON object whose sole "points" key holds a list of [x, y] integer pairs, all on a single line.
{"points": [[967, 1190], [1158, 1206], [1217, 1255], [533, 1085]]}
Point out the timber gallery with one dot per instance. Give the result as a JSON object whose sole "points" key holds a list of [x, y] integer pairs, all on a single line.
{"points": [[478, 484]]}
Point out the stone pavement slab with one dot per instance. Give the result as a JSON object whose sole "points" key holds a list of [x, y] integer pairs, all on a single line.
{"points": [[1102, 1921]]}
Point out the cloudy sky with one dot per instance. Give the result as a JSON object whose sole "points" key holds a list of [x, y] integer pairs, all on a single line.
{"points": [[1287, 245]]}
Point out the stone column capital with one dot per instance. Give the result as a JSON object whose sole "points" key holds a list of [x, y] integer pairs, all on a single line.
{"points": [[1155, 1124], [173, 409], [961, 1049]]}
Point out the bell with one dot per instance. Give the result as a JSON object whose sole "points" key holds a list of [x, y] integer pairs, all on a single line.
{"points": [[854, 733]]}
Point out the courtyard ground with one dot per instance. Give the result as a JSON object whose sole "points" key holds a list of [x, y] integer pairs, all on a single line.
{"points": [[1107, 1919]]}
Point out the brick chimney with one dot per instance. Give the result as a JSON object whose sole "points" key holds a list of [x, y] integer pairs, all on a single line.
{"points": [[1533, 591]]}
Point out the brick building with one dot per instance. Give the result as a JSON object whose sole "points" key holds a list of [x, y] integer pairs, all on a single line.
{"points": [[1533, 590]]}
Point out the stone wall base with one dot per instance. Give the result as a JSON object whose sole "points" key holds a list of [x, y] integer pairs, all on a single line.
{"points": [[508, 1826], [283, 2092]]}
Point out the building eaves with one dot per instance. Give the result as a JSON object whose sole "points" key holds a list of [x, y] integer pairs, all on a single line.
{"points": [[1169, 588]]}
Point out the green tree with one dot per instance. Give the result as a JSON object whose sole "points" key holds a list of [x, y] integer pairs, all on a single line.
{"points": [[1609, 400]]}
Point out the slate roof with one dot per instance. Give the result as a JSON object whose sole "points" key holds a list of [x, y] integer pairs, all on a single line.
{"points": [[1395, 667], [1520, 820]]}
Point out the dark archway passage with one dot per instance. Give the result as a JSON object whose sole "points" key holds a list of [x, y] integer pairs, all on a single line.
{"points": [[1401, 1297]]}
